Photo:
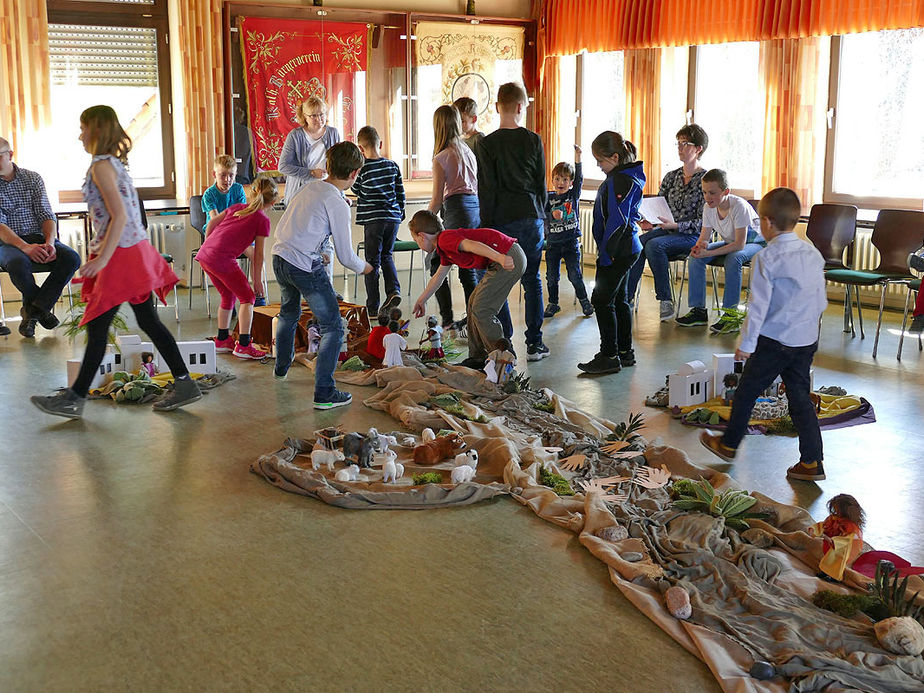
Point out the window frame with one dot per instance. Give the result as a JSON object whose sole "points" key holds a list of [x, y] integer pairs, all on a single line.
{"points": [[128, 14], [594, 180], [828, 193]]}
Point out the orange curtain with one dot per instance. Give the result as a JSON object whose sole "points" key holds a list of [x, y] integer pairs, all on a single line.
{"points": [[611, 25], [25, 92], [794, 104], [643, 110], [548, 123], [203, 89]]}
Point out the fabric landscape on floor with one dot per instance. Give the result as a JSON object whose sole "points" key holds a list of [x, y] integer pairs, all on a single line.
{"points": [[750, 591]]}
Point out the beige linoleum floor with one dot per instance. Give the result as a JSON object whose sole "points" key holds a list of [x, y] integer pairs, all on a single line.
{"points": [[138, 553]]}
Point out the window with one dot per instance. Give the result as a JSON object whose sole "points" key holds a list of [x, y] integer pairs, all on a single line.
{"points": [[728, 102], [602, 99], [567, 111], [673, 105], [113, 53], [876, 141]]}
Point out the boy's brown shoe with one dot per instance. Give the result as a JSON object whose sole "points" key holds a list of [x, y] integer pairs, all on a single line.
{"points": [[713, 442], [806, 471]]}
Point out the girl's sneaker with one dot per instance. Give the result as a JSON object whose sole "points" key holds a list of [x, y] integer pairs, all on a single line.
{"points": [[587, 308], [551, 309], [248, 352], [223, 346]]}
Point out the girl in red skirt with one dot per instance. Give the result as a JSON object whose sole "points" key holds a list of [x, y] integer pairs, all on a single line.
{"points": [[230, 234], [123, 266]]}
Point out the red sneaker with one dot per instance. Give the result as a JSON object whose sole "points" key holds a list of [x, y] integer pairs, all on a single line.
{"points": [[223, 346], [248, 352]]}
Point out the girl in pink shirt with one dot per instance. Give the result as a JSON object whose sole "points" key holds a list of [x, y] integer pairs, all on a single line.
{"points": [[230, 233]]}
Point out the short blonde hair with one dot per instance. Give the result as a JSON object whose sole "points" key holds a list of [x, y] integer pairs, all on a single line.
{"points": [[225, 162], [511, 94], [315, 102]]}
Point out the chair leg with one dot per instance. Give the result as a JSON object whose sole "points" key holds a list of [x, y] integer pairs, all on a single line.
{"points": [[715, 288], [70, 298], [859, 311], [2, 309], [683, 275], [208, 302], [176, 304], [879, 322], [901, 337], [848, 312], [192, 259]]}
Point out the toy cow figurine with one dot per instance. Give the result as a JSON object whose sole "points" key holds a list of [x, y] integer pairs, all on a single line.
{"points": [[439, 449], [360, 448]]}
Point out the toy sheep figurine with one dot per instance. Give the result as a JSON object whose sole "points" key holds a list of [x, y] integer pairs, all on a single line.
{"points": [[328, 457], [392, 470], [351, 473], [359, 448], [466, 464], [469, 457]]}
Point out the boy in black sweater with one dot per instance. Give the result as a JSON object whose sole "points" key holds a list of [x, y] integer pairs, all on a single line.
{"points": [[512, 193]]}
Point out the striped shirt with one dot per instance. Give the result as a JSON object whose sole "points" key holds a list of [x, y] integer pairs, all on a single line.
{"points": [[379, 192], [24, 205]]}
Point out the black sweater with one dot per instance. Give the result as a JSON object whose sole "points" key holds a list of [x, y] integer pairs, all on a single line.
{"points": [[511, 177]]}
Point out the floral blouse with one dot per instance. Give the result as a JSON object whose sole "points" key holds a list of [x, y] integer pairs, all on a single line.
{"points": [[685, 201], [133, 232]]}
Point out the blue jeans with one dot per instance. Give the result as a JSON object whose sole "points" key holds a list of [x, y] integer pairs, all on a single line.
{"points": [[733, 264], [658, 246], [20, 267], [379, 248], [770, 359], [315, 287], [460, 211], [570, 252], [530, 235]]}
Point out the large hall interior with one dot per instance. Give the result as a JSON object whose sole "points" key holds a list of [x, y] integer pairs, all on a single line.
{"points": [[152, 551]]}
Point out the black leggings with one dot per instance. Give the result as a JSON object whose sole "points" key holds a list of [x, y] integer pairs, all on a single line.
{"points": [[97, 339]]}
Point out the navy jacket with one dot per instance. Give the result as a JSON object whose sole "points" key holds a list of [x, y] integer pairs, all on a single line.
{"points": [[616, 214]]}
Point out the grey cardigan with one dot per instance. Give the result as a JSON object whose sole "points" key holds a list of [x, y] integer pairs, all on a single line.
{"points": [[295, 152]]}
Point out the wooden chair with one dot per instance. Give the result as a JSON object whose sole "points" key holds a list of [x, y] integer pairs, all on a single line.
{"points": [[897, 234], [832, 229]]}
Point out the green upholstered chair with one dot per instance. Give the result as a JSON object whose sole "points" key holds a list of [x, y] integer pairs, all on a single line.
{"points": [[897, 234], [832, 229]]}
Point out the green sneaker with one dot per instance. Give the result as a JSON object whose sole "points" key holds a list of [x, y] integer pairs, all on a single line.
{"points": [[696, 316]]}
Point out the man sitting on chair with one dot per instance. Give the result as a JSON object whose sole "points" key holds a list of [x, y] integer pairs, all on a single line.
{"points": [[28, 243]]}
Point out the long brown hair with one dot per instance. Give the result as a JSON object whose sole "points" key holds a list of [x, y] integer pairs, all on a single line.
{"points": [[447, 129], [610, 143], [262, 191], [108, 135]]}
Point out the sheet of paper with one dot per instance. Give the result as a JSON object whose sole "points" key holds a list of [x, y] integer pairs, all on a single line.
{"points": [[654, 207]]}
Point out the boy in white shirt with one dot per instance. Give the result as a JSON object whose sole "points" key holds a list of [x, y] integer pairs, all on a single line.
{"points": [[315, 214], [780, 335], [739, 230]]}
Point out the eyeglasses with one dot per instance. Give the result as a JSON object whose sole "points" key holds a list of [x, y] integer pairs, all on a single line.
{"points": [[316, 116], [684, 144], [6, 151]]}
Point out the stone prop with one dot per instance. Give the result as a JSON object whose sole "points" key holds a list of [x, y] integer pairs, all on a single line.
{"points": [[438, 450], [351, 473], [762, 671], [632, 556], [677, 601], [359, 448], [902, 635], [612, 533], [408, 441], [328, 457], [427, 435]]}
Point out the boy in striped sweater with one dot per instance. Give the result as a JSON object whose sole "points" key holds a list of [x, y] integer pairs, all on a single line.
{"points": [[379, 191]]}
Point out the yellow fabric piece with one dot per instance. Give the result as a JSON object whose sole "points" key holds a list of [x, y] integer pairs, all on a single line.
{"points": [[831, 405]]}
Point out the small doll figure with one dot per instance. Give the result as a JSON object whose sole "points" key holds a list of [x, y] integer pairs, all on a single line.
{"points": [[434, 335], [344, 340], [395, 314], [314, 336], [147, 363], [842, 530], [730, 381], [394, 345], [500, 363]]}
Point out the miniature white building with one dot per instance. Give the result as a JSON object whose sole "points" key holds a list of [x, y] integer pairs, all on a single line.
{"points": [[131, 347], [691, 384], [111, 363], [199, 357], [722, 365]]}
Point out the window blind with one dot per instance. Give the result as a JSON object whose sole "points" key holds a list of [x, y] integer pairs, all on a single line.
{"points": [[102, 55]]}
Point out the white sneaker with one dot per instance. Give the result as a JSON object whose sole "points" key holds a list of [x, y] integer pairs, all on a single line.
{"points": [[667, 311]]}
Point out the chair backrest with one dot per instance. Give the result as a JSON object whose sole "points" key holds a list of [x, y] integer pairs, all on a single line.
{"points": [[196, 215], [832, 230], [897, 234], [144, 217]]}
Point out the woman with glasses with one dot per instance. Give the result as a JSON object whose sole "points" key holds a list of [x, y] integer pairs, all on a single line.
{"points": [[304, 154], [683, 190]]}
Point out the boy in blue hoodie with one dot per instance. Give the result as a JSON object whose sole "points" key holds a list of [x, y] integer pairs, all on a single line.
{"points": [[616, 218], [563, 233]]}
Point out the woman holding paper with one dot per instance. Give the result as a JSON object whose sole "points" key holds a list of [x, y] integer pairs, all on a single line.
{"points": [[674, 234]]}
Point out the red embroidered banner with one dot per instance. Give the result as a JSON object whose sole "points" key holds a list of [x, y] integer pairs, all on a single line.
{"points": [[285, 62]]}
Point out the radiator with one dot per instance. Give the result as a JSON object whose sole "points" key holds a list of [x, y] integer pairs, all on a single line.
{"points": [[168, 238], [865, 257]]}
